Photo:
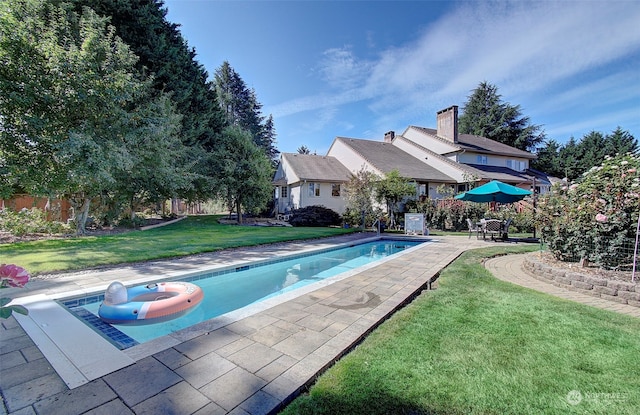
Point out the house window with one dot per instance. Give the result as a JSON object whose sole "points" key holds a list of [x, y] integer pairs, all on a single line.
{"points": [[480, 159], [517, 165], [314, 189], [335, 190], [283, 191]]}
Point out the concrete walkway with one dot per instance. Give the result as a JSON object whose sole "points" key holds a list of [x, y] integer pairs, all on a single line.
{"points": [[510, 268], [254, 365]]}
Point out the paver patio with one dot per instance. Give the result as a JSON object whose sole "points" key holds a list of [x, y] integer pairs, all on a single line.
{"points": [[251, 366]]}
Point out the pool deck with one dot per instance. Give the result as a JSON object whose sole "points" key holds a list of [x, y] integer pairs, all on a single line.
{"points": [[251, 365]]}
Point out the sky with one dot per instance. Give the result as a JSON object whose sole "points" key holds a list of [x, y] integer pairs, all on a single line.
{"points": [[358, 69]]}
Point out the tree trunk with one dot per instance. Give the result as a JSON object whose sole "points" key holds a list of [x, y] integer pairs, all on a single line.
{"points": [[82, 213], [239, 211]]}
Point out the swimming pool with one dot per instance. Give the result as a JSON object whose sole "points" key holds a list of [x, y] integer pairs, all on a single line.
{"points": [[237, 287]]}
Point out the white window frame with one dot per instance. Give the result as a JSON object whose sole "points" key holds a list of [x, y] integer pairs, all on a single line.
{"points": [[314, 189]]}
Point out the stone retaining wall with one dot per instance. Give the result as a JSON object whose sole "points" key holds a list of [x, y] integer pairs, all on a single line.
{"points": [[612, 290]]}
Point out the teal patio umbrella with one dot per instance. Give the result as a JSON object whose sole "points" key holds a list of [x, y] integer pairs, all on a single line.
{"points": [[494, 191]]}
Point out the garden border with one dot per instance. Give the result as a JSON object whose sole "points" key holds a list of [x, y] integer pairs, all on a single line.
{"points": [[608, 289]]}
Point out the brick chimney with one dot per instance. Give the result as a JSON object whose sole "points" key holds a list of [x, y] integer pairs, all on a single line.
{"points": [[389, 136], [448, 123]]}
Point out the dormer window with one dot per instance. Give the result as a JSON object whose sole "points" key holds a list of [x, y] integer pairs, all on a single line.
{"points": [[480, 159]]}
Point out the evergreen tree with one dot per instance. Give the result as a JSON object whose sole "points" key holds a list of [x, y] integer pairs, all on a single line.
{"points": [[304, 150], [575, 158], [486, 115], [165, 54], [548, 160], [241, 108], [620, 142]]}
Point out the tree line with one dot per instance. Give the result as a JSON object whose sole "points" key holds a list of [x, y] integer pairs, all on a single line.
{"points": [[104, 103]]}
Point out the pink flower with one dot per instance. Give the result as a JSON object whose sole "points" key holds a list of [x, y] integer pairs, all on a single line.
{"points": [[631, 171], [13, 276], [601, 218]]}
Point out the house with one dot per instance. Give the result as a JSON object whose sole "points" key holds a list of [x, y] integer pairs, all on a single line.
{"points": [[432, 158], [303, 180]]}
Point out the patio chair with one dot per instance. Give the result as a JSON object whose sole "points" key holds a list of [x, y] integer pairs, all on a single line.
{"points": [[473, 227], [505, 229], [492, 227]]}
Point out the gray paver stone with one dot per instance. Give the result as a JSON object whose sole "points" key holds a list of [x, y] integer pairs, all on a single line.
{"points": [[172, 358], [142, 380], [232, 388], [205, 369], [255, 357], [260, 403], [276, 368], [211, 409], [207, 343], [10, 360], [25, 372], [24, 411], [114, 407], [24, 394], [179, 399], [283, 387], [76, 401]]}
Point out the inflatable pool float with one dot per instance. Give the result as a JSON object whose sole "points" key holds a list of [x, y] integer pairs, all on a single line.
{"points": [[147, 304]]}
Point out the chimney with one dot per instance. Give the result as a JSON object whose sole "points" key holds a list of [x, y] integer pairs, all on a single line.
{"points": [[448, 123], [389, 136]]}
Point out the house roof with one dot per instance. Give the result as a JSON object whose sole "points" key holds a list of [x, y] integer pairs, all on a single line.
{"points": [[480, 144], [504, 174], [386, 157], [318, 168]]}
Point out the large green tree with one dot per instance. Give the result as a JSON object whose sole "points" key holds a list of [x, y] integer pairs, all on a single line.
{"points": [[245, 182], [487, 115], [165, 54], [242, 108], [74, 111], [391, 189]]}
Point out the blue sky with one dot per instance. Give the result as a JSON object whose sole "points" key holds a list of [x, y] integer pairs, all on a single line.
{"points": [[361, 68]]}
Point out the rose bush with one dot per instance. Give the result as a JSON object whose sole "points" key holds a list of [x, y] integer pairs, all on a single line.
{"points": [[12, 276], [596, 217]]}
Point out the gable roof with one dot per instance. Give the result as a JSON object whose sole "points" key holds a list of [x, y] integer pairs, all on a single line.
{"points": [[386, 157], [504, 174], [317, 168], [479, 144]]}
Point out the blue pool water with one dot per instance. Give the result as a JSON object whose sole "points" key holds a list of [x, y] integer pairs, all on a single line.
{"points": [[232, 289]]}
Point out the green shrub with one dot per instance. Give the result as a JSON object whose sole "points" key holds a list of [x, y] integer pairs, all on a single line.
{"points": [[596, 217], [315, 216], [30, 221]]}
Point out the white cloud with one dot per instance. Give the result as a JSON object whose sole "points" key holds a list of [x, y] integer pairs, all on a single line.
{"points": [[525, 48]]}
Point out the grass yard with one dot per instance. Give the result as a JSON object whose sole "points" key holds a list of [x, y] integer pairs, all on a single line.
{"points": [[193, 235], [477, 345]]}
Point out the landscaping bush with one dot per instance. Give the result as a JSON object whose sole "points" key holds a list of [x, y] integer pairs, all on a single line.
{"points": [[596, 217], [29, 221], [315, 216]]}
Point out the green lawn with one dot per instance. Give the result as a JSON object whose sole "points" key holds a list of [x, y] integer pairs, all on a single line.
{"points": [[193, 235], [477, 345]]}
